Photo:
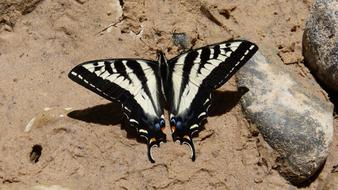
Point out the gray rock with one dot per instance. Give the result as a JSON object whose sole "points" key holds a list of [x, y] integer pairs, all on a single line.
{"points": [[320, 47], [295, 121], [181, 40]]}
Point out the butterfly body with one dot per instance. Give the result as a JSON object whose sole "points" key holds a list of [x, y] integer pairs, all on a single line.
{"points": [[184, 83]]}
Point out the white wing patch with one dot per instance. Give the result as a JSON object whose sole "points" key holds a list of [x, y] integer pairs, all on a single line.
{"points": [[177, 80], [189, 91], [139, 94]]}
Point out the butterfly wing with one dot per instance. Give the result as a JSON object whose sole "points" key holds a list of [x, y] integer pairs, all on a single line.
{"points": [[192, 77], [132, 83]]}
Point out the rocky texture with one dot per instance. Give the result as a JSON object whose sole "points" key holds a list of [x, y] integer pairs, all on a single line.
{"points": [[320, 45], [11, 10], [292, 119]]}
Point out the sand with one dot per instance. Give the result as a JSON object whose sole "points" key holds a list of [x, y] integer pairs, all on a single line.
{"points": [[84, 139]]}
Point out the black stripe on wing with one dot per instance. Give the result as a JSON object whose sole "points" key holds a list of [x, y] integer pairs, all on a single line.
{"points": [[229, 61], [103, 87], [230, 65]]}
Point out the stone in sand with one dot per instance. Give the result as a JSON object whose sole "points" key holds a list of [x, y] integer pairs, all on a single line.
{"points": [[294, 120], [180, 40], [320, 47]]}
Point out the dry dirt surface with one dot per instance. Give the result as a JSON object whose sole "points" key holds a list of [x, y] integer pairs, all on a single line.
{"points": [[83, 139]]}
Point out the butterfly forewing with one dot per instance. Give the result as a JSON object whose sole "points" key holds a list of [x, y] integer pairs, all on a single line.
{"points": [[133, 83]]}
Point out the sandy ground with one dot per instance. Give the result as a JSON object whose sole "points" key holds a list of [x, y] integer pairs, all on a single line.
{"points": [[87, 145]]}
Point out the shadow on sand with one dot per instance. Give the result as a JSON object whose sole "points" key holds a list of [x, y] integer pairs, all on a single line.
{"points": [[105, 114]]}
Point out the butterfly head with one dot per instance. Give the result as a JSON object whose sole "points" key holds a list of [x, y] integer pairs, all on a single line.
{"points": [[156, 136], [182, 133]]}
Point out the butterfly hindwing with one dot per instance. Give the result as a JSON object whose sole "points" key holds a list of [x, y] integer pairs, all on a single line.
{"points": [[193, 75], [133, 83]]}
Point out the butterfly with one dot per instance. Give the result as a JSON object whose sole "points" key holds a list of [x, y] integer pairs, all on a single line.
{"points": [[184, 83]]}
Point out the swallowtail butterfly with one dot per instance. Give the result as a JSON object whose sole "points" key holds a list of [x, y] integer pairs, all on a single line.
{"points": [[185, 83]]}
